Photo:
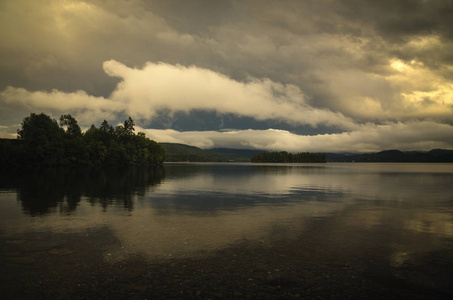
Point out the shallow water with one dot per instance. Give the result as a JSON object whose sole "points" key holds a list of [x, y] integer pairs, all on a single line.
{"points": [[228, 230]]}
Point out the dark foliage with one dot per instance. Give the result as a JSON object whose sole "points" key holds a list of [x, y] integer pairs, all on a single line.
{"points": [[43, 141], [285, 157]]}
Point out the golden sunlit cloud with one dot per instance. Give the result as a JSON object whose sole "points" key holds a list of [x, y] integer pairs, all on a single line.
{"points": [[423, 92], [399, 65]]}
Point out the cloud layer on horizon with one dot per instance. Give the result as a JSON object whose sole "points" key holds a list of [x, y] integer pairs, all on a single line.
{"points": [[366, 138]]}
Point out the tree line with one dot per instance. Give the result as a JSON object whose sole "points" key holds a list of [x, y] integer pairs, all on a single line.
{"points": [[285, 157], [44, 141]]}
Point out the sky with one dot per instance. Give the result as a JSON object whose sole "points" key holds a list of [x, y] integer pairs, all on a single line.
{"points": [[292, 75]]}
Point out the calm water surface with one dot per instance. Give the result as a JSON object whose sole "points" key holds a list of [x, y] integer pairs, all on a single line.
{"points": [[228, 231]]}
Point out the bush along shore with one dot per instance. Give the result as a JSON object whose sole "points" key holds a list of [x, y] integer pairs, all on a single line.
{"points": [[44, 141]]}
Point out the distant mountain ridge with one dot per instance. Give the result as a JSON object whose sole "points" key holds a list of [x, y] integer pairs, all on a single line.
{"points": [[181, 152], [435, 155]]}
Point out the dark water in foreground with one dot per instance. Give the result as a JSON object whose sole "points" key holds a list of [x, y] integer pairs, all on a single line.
{"points": [[382, 231]]}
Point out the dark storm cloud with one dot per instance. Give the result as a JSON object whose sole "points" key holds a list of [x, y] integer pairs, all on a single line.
{"points": [[194, 17], [396, 23], [351, 63], [396, 20]]}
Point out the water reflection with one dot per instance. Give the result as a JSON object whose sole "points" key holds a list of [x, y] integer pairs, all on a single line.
{"points": [[349, 226], [212, 188], [45, 190]]}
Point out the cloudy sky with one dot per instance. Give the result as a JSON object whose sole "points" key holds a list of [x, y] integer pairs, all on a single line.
{"points": [[301, 75]]}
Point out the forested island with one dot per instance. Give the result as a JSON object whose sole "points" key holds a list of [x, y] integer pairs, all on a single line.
{"points": [[286, 157], [44, 141]]}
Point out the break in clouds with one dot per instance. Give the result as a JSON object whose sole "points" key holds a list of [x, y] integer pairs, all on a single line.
{"points": [[344, 75]]}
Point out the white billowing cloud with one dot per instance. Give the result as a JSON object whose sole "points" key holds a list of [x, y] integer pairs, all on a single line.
{"points": [[179, 88], [423, 135], [143, 92]]}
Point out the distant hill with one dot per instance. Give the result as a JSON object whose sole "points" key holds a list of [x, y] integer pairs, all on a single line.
{"points": [[435, 155], [181, 152]]}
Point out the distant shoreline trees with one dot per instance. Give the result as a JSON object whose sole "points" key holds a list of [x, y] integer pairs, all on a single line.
{"points": [[285, 157], [44, 141]]}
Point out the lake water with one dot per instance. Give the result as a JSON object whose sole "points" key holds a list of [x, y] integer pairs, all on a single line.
{"points": [[228, 231]]}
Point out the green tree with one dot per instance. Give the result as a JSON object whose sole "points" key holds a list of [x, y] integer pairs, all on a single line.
{"points": [[69, 124], [74, 145], [129, 127], [106, 127], [43, 139]]}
